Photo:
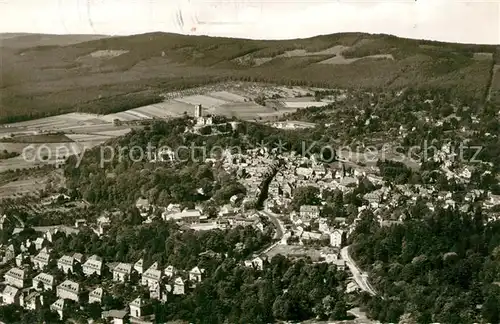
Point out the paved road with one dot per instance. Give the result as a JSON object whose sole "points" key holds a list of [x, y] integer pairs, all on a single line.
{"points": [[359, 276], [280, 229]]}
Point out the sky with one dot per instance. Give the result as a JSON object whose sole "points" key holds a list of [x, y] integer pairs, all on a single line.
{"points": [[471, 21]]}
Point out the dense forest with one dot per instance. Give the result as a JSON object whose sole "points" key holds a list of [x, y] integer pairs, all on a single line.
{"points": [[440, 266]]}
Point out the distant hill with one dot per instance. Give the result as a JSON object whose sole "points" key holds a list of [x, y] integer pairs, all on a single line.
{"points": [[51, 74]]}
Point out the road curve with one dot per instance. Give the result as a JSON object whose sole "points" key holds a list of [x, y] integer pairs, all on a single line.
{"points": [[280, 229], [359, 276]]}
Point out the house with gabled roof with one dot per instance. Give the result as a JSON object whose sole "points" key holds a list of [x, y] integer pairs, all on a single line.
{"points": [[178, 286], [170, 271], [139, 266], [32, 301], [41, 260], [69, 290], [117, 316], [96, 295], [15, 277], [139, 308], [195, 274], [93, 266], [337, 238], [40, 243], [308, 212], [78, 257], [10, 295], [59, 307], [21, 259], [66, 264], [256, 262], [152, 276], [43, 281], [122, 272]]}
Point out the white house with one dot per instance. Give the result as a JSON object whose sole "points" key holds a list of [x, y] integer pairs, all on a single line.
{"points": [[32, 301], [68, 290], [256, 262], [137, 308], [122, 272], [96, 295], [66, 264], [103, 223], [10, 295], [170, 271], [15, 277], [336, 238], [40, 243], [45, 280], [41, 260], [58, 306], [195, 274], [308, 212], [151, 277], [186, 216], [139, 266], [93, 266], [178, 286]]}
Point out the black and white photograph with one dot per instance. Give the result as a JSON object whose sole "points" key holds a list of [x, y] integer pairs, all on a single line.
{"points": [[249, 161]]}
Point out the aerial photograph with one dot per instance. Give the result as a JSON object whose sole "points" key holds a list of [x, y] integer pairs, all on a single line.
{"points": [[249, 162]]}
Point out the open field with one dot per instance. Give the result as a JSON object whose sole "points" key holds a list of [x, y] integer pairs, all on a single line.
{"points": [[31, 184], [54, 138], [45, 75]]}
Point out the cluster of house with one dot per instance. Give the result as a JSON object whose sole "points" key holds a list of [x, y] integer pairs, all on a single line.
{"points": [[32, 274], [228, 216]]}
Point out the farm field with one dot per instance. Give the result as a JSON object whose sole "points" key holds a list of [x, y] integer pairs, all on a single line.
{"points": [[66, 134]]}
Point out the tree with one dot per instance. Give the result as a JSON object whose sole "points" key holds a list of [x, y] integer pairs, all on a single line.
{"points": [[305, 196]]}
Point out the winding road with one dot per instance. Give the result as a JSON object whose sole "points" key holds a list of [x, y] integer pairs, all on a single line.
{"points": [[359, 276], [280, 228]]}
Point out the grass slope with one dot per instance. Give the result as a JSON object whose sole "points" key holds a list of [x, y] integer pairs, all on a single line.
{"points": [[59, 75]]}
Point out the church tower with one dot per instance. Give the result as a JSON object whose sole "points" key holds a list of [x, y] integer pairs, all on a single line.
{"points": [[198, 111]]}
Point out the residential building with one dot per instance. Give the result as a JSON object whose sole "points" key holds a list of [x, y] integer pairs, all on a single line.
{"points": [[80, 223], [58, 306], [122, 272], [40, 243], [10, 295], [170, 271], [103, 223], [143, 206], [15, 277], [178, 286], [257, 263], [139, 308], [43, 281], [117, 316], [336, 238], [78, 257], [66, 264], [340, 264], [96, 295], [139, 266], [32, 301], [151, 277], [69, 290], [187, 216], [20, 259], [93, 266], [195, 274], [308, 212], [41, 260]]}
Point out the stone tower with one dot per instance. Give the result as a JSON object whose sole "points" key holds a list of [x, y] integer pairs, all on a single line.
{"points": [[198, 111]]}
